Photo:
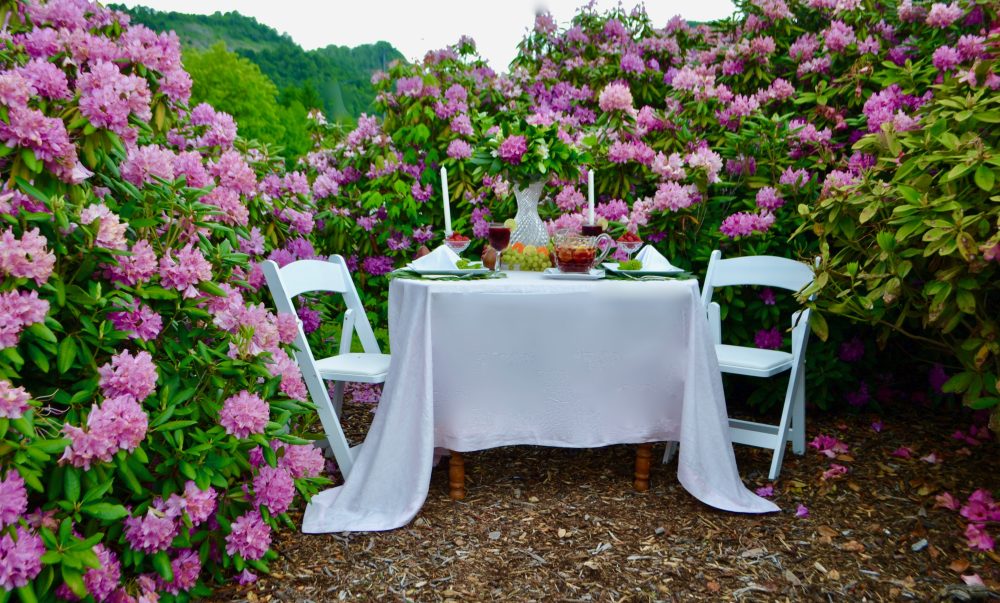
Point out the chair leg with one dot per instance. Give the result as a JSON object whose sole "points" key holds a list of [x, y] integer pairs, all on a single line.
{"points": [[456, 476], [668, 454], [643, 458], [799, 417], [338, 398]]}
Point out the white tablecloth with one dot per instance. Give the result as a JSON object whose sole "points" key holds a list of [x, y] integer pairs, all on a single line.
{"points": [[527, 360]]}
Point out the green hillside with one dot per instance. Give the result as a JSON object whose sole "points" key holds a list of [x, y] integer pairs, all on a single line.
{"points": [[335, 79]]}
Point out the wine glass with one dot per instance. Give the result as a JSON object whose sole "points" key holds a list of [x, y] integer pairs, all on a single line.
{"points": [[499, 238]]}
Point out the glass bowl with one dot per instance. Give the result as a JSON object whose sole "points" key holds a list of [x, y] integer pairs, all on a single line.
{"points": [[457, 246], [629, 247]]}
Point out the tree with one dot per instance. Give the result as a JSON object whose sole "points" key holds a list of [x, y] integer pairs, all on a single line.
{"points": [[235, 85]]}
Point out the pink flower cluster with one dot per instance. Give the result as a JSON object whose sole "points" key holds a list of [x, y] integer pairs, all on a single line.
{"points": [[27, 257], [743, 224], [117, 424], [14, 401], [188, 269], [19, 309], [150, 533], [616, 96], [129, 376], [513, 148], [249, 536], [244, 414]]}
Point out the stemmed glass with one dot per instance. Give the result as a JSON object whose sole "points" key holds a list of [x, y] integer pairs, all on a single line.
{"points": [[458, 245], [499, 239], [629, 247]]}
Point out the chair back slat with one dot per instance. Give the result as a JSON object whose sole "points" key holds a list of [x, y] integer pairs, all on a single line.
{"points": [[306, 276], [762, 270]]}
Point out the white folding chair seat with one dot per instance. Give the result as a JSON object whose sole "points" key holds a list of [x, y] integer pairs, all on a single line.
{"points": [[370, 366], [753, 362], [765, 271], [360, 368]]}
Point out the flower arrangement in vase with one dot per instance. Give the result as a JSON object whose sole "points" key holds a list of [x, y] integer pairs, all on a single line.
{"points": [[528, 155]]}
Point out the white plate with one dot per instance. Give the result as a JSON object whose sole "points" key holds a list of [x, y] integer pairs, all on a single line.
{"points": [[613, 267], [451, 271], [593, 275]]}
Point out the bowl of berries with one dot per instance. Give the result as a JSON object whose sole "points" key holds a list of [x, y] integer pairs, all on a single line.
{"points": [[629, 243], [457, 242]]}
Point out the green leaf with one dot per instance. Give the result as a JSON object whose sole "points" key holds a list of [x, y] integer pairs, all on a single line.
{"points": [[984, 178], [41, 331], [959, 383], [106, 511], [67, 354], [161, 562], [74, 580], [817, 322], [71, 484], [966, 301], [27, 594], [212, 289]]}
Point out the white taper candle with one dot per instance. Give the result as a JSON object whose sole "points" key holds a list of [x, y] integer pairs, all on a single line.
{"points": [[590, 195], [447, 205]]}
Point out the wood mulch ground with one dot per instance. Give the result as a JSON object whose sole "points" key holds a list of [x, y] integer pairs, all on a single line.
{"points": [[545, 524]]}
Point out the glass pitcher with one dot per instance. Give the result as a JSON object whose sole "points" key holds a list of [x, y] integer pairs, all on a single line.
{"points": [[578, 253]]}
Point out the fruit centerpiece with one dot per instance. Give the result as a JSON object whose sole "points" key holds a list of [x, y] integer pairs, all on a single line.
{"points": [[527, 257]]}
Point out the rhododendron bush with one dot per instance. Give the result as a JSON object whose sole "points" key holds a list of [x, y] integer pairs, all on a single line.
{"points": [[147, 396], [724, 135]]}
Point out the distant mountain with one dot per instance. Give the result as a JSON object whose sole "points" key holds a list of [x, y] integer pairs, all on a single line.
{"points": [[336, 78]]}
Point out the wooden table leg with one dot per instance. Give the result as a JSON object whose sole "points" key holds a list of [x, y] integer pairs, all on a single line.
{"points": [[456, 476], [643, 456]]}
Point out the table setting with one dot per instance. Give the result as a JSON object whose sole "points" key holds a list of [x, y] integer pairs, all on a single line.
{"points": [[484, 357]]}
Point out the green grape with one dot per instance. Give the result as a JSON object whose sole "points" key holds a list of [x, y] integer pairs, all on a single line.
{"points": [[630, 265]]}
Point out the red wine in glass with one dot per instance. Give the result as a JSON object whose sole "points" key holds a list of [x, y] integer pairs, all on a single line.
{"points": [[499, 238]]}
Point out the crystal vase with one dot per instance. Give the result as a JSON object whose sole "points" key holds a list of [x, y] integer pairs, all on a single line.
{"points": [[530, 228]]}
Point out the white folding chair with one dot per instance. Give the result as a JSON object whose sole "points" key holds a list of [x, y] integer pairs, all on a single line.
{"points": [[371, 366], [765, 271]]}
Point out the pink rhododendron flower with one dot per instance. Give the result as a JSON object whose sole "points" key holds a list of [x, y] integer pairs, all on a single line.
{"points": [[834, 471], [186, 567], [199, 504], [274, 488], [946, 501], [828, 446], [801, 511], [13, 498], [17, 310], [128, 375], [102, 582], [188, 269], [27, 257], [244, 414], [513, 148], [978, 538], [249, 537], [151, 532], [765, 491], [616, 96], [931, 458], [768, 339], [942, 15], [14, 401], [903, 452], [20, 558]]}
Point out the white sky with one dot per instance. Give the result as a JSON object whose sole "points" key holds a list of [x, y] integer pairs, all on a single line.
{"points": [[416, 26]]}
